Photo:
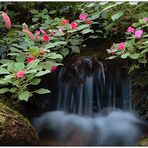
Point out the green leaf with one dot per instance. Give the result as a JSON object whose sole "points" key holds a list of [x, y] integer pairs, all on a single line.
{"points": [[64, 51], [85, 31], [33, 64], [110, 6], [60, 43], [18, 66], [35, 19], [146, 42], [13, 89], [30, 76], [13, 54], [2, 81], [117, 15], [20, 58], [74, 41], [34, 11], [82, 27], [6, 61], [52, 11], [45, 11], [3, 71], [55, 56], [35, 81], [111, 57], [145, 51], [17, 46], [47, 65], [49, 45], [3, 90], [93, 36], [123, 56], [8, 77], [75, 49], [41, 73], [95, 15], [11, 67], [24, 95], [42, 91], [134, 56], [31, 71]]}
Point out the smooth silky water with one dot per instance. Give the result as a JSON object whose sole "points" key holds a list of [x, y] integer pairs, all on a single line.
{"points": [[89, 93]]}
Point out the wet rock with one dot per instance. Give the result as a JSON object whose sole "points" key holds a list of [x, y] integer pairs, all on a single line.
{"points": [[15, 129], [143, 142]]}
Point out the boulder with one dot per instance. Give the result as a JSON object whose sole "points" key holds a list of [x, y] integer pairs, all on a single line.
{"points": [[15, 129], [143, 142]]}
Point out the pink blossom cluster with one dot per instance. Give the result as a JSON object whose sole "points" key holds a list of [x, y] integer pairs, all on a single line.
{"points": [[145, 19], [137, 33], [20, 74], [6, 20], [121, 46], [74, 25], [53, 68]]}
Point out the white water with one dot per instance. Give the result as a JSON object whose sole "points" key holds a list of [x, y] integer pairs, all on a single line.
{"points": [[104, 89], [115, 128]]}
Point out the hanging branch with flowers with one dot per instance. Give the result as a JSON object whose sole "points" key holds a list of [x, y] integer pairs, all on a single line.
{"points": [[135, 46]]}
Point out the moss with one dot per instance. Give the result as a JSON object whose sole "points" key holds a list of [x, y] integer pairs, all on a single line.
{"points": [[15, 129], [143, 142]]}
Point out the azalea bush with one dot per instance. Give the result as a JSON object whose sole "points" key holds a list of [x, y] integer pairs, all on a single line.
{"points": [[36, 52], [135, 45]]}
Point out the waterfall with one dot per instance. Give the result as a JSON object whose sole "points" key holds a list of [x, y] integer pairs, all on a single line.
{"points": [[87, 85]]}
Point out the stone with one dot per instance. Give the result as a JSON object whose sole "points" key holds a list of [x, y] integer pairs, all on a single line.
{"points": [[143, 142], [15, 129]]}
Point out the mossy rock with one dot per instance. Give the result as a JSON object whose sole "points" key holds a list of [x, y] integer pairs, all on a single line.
{"points": [[15, 129], [143, 142]]}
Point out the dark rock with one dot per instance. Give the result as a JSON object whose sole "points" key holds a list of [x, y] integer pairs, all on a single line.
{"points": [[15, 129]]}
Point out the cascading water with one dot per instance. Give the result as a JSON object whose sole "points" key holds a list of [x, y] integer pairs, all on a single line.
{"points": [[87, 85]]}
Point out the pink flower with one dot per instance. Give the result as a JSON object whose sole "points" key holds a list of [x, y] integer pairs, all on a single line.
{"points": [[145, 19], [82, 16], [37, 34], [112, 50], [88, 22], [46, 38], [52, 32], [29, 33], [43, 32], [60, 30], [64, 22], [6, 19], [121, 46], [130, 29], [20, 74], [30, 59], [74, 25], [53, 68], [138, 34]]}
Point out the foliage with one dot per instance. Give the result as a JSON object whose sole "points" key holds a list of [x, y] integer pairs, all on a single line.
{"points": [[113, 18], [50, 36], [135, 46], [32, 55]]}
